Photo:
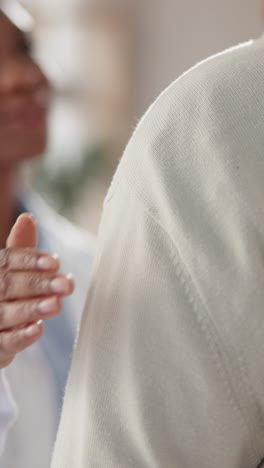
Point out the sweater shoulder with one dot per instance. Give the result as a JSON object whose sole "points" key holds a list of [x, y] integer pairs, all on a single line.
{"points": [[220, 81], [219, 94]]}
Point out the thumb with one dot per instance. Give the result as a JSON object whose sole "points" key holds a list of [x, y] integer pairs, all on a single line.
{"points": [[24, 233]]}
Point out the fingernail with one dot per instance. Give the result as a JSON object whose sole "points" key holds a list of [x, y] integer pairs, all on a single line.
{"points": [[47, 262], [48, 305], [60, 285], [69, 276], [27, 214], [31, 330]]}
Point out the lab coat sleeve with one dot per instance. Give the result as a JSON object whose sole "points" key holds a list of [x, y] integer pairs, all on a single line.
{"points": [[8, 410]]}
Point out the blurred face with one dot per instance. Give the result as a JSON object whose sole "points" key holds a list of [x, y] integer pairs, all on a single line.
{"points": [[24, 97]]}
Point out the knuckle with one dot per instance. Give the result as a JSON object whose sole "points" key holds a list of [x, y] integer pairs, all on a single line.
{"points": [[18, 339], [2, 316], [5, 282], [10, 342], [13, 341], [19, 314], [36, 283], [5, 258], [24, 312], [28, 260], [3, 343]]}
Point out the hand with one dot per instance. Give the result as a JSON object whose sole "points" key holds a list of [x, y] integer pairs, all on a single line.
{"points": [[30, 289]]}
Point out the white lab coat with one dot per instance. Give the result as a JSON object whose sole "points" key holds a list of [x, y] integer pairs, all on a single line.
{"points": [[32, 378]]}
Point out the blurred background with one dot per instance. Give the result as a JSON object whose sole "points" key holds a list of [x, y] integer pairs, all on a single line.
{"points": [[108, 60]]}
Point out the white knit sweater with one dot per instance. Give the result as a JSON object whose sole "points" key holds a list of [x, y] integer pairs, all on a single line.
{"points": [[169, 366]]}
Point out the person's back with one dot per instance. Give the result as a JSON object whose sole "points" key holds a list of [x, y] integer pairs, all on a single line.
{"points": [[168, 370]]}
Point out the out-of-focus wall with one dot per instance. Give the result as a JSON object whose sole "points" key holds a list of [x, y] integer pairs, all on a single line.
{"points": [[172, 35], [111, 59], [175, 34]]}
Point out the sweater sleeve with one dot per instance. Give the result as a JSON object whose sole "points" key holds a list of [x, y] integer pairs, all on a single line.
{"points": [[7, 410], [148, 386]]}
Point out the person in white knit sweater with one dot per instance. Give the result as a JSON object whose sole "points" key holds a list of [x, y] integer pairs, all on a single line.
{"points": [[169, 366]]}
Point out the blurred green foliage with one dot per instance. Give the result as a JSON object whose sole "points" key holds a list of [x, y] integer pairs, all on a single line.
{"points": [[63, 185]]}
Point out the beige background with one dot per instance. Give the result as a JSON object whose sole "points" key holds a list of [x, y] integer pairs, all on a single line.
{"points": [[111, 58]]}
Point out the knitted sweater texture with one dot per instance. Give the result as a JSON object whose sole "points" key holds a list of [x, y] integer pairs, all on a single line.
{"points": [[168, 370]]}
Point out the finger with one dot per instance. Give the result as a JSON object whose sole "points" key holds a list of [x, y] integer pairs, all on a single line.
{"points": [[28, 259], [27, 285], [19, 313], [11, 342], [24, 233]]}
